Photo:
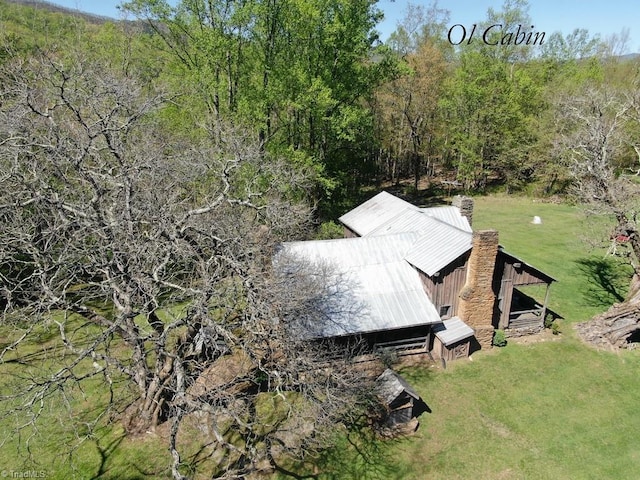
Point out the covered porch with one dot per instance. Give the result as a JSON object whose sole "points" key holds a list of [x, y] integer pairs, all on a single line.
{"points": [[517, 309]]}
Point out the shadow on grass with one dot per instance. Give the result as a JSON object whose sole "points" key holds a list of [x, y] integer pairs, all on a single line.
{"points": [[608, 280], [110, 446], [359, 454], [105, 451]]}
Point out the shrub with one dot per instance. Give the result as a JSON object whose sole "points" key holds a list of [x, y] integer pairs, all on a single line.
{"points": [[329, 230], [548, 320], [499, 338], [388, 356]]}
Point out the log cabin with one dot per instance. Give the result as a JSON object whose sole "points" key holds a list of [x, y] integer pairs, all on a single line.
{"points": [[426, 281]]}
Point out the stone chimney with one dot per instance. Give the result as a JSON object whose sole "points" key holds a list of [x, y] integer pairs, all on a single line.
{"points": [[477, 298], [465, 204]]}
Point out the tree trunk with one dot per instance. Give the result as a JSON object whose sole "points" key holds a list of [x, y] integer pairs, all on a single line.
{"points": [[151, 408], [614, 328]]}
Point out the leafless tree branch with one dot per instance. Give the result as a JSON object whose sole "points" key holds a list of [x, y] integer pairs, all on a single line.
{"points": [[150, 258]]}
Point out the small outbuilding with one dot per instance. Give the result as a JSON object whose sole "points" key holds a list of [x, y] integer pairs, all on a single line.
{"points": [[403, 404], [452, 339]]}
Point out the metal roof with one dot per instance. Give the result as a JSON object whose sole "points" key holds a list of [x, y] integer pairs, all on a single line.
{"points": [[386, 287], [452, 331], [373, 217], [374, 212], [445, 234], [439, 243], [408, 220], [450, 215], [438, 246]]}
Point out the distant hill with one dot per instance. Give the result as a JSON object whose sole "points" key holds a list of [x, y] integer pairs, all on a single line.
{"points": [[100, 20], [41, 4], [630, 56]]}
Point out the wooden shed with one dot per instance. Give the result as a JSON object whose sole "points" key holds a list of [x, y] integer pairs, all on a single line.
{"points": [[452, 339], [403, 404]]}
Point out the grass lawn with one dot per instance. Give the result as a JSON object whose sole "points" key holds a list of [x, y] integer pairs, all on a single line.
{"points": [[552, 409], [555, 410], [565, 245], [56, 449]]}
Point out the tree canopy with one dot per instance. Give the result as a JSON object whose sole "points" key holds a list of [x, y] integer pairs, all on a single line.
{"points": [[150, 168]]}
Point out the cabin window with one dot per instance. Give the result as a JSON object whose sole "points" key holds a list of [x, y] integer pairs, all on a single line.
{"points": [[445, 311]]}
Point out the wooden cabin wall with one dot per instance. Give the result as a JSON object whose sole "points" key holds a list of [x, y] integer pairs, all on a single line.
{"points": [[348, 233], [401, 415], [506, 278], [445, 288], [455, 351], [505, 270]]}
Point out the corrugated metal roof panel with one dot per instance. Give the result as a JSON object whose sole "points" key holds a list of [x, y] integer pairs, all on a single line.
{"points": [[439, 244], [351, 252], [438, 247], [450, 215], [387, 287], [408, 220], [374, 212], [452, 331]]}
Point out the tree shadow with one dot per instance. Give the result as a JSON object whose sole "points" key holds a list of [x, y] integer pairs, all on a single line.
{"points": [[359, 454], [608, 280], [111, 446], [105, 451]]}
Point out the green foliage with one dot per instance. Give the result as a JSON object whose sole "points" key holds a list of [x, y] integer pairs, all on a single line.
{"points": [[499, 338], [592, 395], [297, 71], [329, 230], [548, 320], [494, 121], [25, 28]]}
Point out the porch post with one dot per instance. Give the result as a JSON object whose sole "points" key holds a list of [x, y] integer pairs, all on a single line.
{"points": [[546, 300]]}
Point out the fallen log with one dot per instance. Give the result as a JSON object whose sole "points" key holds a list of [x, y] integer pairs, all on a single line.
{"points": [[612, 329]]}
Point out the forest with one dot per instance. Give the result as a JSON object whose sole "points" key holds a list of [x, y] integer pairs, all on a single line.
{"points": [[149, 167]]}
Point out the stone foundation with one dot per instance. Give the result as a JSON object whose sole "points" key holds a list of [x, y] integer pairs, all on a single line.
{"points": [[522, 332]]}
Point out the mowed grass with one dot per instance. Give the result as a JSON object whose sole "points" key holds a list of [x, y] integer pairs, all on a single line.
{"points": [[567, 245], [553, 409], [60, 445], [556, 409]]}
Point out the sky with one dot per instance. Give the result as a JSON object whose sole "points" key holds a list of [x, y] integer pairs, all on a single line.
{"points": [[602, 17]]}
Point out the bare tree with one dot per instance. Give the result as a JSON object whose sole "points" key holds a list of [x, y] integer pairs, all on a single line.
{"points": [[151, 258], [597, 137]]}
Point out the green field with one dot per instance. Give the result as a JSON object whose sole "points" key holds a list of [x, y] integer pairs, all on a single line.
{"points": [[550, 409]]}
